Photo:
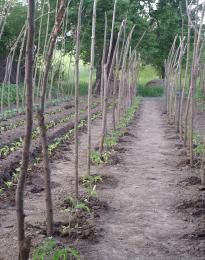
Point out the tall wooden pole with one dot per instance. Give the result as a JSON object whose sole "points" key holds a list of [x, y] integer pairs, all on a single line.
{"points": [[91, 85], [77, 58]]}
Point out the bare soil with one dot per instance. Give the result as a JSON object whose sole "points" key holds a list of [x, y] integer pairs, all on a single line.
{"points": [[147, 200]]}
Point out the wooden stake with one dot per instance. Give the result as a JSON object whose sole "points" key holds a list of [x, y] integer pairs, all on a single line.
{"points": [[92, 57], [77, 58], [25, 243]]}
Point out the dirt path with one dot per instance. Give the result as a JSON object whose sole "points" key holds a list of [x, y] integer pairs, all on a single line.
{"points": [[142, 222]]}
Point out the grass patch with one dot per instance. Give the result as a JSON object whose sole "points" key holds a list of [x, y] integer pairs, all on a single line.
{"points": [[150, 92], [148, 73]]}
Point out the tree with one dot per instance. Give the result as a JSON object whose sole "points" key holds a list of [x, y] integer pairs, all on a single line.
{"points": [[166, 22], [133, 10]]}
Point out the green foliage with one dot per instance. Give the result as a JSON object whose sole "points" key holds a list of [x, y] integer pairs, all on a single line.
{"points": [[166, 22], [15, 21], [50, 251], [124, 8], [161, 20]]}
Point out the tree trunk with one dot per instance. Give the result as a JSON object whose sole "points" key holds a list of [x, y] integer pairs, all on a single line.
{"points": [[25, 243]]}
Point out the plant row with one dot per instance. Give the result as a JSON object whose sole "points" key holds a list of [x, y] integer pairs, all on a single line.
{"points": [[7, 149], [112, 139]]}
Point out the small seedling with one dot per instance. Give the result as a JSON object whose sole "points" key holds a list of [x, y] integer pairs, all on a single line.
{"points": [[92, 192], [90, 180], [75, 204]]}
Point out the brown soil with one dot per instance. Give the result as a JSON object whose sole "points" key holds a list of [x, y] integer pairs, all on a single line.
{"points": [[12, 135], [138, 214]]}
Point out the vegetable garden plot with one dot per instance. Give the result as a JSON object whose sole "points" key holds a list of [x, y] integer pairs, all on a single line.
{"points": [[13, 139], [57, 53], [11, 162]]}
